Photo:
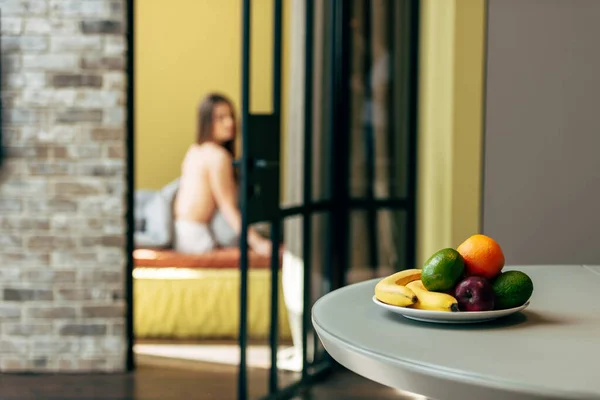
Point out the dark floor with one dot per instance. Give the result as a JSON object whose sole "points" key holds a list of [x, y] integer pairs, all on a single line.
{"points": [[204, 382]]}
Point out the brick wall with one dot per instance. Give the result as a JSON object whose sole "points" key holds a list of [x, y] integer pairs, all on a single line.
{"points": [[62, 188]]}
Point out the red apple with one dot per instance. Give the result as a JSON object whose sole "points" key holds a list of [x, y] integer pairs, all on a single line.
{"points": [[474, 293]]}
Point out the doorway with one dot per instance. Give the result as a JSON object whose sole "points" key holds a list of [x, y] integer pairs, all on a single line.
{"points": [[328, 162]]}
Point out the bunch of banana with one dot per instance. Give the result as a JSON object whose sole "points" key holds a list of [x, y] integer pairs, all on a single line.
{"points": [[433, 301], [405, 289], [392, 289]]}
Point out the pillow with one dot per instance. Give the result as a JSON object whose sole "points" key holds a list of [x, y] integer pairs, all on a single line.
{"points": [[157, 226]]}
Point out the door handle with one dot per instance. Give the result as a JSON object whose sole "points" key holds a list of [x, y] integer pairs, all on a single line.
{"points": [[265, 164]]}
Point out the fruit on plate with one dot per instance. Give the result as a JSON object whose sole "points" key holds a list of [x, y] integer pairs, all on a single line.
{"points": [[482, 256], [442, 270], [392, 289], [433, 301], [474, 293], [512, 289]]}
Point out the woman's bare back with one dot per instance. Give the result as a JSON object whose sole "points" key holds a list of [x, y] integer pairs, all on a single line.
{"points": [[195, 200]]}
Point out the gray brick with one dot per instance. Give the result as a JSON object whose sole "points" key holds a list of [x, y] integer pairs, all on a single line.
{"points": [[104, 240], [76, 115], [104, 311], [14, 167], [114, 45], [103, 169], [26, 329], [50, 168], [103, 62], [25, 8], [93, 151], [114, 116], [101, 345], [100, 277], [105, 206], [83, 187], [9, 99], [12, 364], [118, 329], [20, 259], [82, 330], [70, 294], [10, 240], [102, 27], [41, 242], [76, 80], [75, 43], [99, 99], [54, 204], [24, 223], [80, 224], [67, 364], [12, 63], [55, 347], [32, 80], [12, 26], [116, 364], [10, 294], [48, 275], [106, 134], [26, 152], [115, 151], [115, 80], [81, 294], [9, 312], [46, 26], [47, 98], [23, 116], [78, 8], [59, 152], [57, 134], [93, 364], [10, 205], [25, 187], [49, 62], [24, 43], [114, 226], [73, 258], [38, 363], [9, 274], [13, 346], [51, 312], [112, 256], [10, 135]]}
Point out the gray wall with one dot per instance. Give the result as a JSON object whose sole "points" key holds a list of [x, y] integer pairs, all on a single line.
{"points": [[541, 196]]}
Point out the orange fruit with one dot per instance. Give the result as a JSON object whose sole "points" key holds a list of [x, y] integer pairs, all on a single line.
{"points": [[483, 256]]}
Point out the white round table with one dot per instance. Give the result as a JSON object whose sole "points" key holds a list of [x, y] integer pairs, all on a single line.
{"points": [[551, 350]]}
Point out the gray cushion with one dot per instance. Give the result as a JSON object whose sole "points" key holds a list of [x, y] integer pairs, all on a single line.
{"points": [[154, 217]]}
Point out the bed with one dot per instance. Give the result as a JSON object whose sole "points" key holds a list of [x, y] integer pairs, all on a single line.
{"points": [[180, 296]]}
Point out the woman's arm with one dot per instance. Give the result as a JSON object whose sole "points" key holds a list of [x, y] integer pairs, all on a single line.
{"points": [[225, 193]]}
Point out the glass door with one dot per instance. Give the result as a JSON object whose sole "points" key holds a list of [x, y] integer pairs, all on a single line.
{"points": [[332, 172]]}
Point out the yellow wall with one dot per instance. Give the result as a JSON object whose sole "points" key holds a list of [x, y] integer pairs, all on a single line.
{"points": [[183, 51], [450, 123]]}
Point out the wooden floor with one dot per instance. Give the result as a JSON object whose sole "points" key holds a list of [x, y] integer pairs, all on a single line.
{"points": [[204, 382]]}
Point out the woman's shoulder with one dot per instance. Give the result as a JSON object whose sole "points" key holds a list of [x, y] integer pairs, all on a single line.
{"points": [[212, 151]]}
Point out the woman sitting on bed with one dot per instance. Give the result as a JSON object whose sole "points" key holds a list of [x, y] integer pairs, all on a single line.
{"points": [[206, 210]]}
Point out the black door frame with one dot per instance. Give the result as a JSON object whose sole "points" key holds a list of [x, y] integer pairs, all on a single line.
{"points": [[130, 178]]}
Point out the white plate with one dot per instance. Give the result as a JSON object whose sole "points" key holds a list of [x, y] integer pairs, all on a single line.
{"points": [[442, 317]]}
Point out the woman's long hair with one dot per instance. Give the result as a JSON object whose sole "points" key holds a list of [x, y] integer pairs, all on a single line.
{"points": [[205, 120]]}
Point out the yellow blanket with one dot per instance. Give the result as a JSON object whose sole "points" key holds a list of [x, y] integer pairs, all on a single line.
{"points": [[202, 303]]}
